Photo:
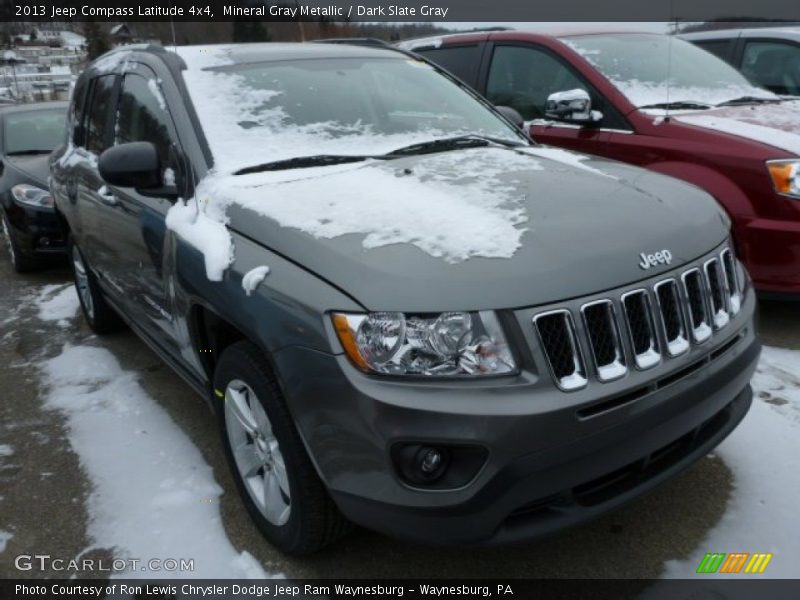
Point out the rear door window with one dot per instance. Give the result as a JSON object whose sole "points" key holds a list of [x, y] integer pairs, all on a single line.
{"points": [[773, 65]]}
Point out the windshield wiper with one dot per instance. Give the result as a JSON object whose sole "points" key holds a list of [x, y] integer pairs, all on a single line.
{"points": [[28, 152], [750, 100], [321, 160], [302, 162], [451, 143], [678, 105]]}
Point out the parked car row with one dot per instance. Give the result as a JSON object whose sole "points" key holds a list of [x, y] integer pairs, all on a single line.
{"points": [[663, 104], [404, 313], [28, 134]]}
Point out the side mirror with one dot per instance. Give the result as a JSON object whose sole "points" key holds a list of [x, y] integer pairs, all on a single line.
{"points": [[571, 106], [133, 165], [512, 115]]}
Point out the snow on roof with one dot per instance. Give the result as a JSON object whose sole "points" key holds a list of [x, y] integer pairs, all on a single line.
{"points": [[121, 29]]}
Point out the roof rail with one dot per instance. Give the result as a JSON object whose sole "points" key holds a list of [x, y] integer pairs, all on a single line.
{"points": [[355, 41], [482, 29]]}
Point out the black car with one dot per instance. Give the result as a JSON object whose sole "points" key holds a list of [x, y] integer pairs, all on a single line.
{"points": [[28, 134]]}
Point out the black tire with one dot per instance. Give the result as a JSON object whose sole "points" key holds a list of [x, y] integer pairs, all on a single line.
{"points": [[19, 261], [99, 315], [314, 521]]}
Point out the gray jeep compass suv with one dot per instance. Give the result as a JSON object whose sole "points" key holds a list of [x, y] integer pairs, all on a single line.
{"points": [[405, 314]]}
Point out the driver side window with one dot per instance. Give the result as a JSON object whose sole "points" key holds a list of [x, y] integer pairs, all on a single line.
{"points": [[523, 77], [142, 117]]}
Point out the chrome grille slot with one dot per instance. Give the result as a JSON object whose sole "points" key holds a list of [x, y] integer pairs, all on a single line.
{"points": [[695, 290], [641, 328], [557, 334], [671, 317], [718, 293], [731, 281], [604, 339]]}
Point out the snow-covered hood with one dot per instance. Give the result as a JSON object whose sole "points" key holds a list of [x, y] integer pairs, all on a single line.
{"points": [[471, 229], [777, 125]]}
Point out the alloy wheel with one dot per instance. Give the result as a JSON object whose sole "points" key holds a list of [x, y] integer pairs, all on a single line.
{"points": [[257, 453]]}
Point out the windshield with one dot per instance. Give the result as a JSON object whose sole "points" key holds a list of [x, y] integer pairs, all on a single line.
{"points": [[34, 131], [273, 111], [641, 66]]}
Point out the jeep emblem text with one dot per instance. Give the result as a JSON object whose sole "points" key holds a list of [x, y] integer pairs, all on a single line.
{"points": [[663, 257]]}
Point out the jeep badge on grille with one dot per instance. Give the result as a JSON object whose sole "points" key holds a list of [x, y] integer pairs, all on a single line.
{"points": [[663, 257]]}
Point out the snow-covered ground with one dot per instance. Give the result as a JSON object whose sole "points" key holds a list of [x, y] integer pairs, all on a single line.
{"points": [[4, 537], [153, 495], [764, 455], [57, 303]]}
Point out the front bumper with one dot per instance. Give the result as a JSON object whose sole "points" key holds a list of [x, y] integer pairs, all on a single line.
{"points": [[771, 250], [37, 231], [547, 466]]}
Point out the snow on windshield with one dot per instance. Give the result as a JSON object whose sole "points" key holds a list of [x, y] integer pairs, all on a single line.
{"points": [[276, 111], [655, 69], [244, 126]]}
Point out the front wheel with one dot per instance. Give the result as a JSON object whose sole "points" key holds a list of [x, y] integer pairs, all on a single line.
{"points": [[274, 475], [97, 312]]}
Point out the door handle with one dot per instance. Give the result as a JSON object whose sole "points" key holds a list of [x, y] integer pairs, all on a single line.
{"points": [[106, 196]]}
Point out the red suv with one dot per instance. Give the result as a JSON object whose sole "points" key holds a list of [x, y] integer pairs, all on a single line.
{"points": [[661, 103]]}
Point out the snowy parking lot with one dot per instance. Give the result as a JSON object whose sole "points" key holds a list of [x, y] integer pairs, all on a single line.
{"points": [[105, 453]]}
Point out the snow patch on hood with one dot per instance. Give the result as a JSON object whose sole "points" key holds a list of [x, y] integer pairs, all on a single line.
{"points": [[573, 159], [776, 125], [452, 205], [6, 450]]}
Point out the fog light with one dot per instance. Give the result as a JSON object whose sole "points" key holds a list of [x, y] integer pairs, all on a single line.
{"points": [[437, 466], [431, 461]]}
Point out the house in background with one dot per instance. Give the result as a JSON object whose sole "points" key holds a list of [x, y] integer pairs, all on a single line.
{"points": [[121, 34]]}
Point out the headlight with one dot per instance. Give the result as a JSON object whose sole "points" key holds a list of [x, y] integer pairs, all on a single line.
{"points": [[444, 345], [785, 176], [31, 195]]}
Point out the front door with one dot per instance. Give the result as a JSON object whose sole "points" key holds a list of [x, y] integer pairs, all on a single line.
{"points": [[134, 244], [522, 76]]}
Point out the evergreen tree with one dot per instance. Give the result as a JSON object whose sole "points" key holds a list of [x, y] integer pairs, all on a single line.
{"points": [[249, 30], [96, 39]]}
